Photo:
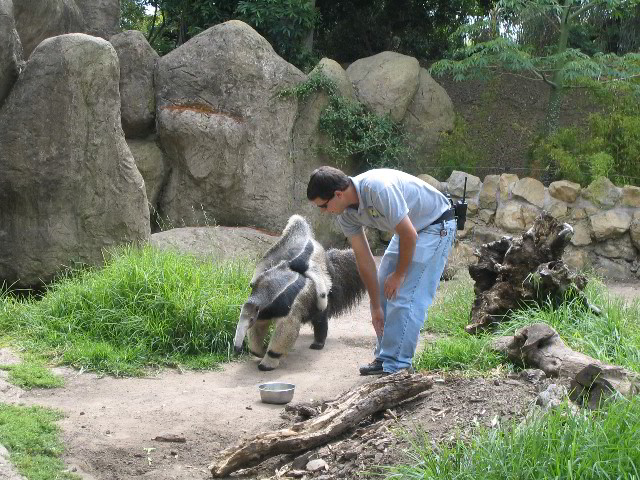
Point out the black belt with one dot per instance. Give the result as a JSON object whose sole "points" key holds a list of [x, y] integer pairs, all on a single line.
{"points": [[448, 215]]}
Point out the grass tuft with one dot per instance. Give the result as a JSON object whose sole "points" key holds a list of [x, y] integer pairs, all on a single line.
{"points": [[144, 308], [31, 436], [32, 375], [589, 445], [613, 337]]}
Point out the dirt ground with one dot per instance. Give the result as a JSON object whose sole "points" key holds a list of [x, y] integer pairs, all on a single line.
{"points": [[110, 425]]}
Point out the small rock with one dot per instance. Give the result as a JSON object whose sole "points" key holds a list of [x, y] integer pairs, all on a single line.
{"points": [[317, 465], [496, 382], [249, 407], [533, 375], [350, 455], [299, 463], [553, 396]]}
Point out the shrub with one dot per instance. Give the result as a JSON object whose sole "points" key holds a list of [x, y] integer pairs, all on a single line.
{"points": [[609, 146], [356, 134]]}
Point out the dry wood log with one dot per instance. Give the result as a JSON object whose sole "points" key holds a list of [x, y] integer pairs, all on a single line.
{"points": [[513, 271], [341, 414], [540, 346]]}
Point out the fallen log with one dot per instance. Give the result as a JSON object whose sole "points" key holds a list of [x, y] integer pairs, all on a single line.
{"points": [[341, 414], [513, 271], [540, 346]]}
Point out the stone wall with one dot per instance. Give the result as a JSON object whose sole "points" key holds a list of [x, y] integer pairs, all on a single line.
{"points": [[605, 218]]}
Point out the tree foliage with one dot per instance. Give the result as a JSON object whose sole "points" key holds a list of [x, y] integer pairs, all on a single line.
{"points": [[359, 28]]}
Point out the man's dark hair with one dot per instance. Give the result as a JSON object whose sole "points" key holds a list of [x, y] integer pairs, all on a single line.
{"points": [[324, 182]]}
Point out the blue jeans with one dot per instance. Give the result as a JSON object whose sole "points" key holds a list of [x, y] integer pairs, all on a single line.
{"points": [[405, 314]]}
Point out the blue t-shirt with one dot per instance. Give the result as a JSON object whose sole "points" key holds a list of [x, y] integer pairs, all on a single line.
{"points": [[387, 196]]}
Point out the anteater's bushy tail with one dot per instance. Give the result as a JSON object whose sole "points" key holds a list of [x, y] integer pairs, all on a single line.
{"points": [[347, 287]]}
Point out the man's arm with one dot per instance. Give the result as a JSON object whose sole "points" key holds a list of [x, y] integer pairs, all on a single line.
{"points": [[408, 237], [368, 273]]}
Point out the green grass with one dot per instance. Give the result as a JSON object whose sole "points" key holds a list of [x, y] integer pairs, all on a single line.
{"points": [[613, 337], [558, 445], [32, 375], [145, 308], [31, 436]]}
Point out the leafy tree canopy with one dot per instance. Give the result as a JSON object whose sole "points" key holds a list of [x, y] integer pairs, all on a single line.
{"points": [[504, 41]]}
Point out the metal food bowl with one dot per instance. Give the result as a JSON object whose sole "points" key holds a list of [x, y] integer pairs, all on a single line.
{"points": [[276, 392]]}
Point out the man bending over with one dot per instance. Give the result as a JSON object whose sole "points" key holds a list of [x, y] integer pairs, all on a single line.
{"points": [[402, 289]]}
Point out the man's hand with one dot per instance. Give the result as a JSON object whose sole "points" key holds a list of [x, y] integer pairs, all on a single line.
{"points": [[377, 319], [391, 285]]}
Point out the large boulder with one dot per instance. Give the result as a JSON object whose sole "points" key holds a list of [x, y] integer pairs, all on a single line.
{"points": [[386, 82], [216, 243], [101, 17], [40, 19], [137, 63], [334, 71], [151, 164], [69, 185], [11, 51], [225, 130], [308, 145], [429, 114]]}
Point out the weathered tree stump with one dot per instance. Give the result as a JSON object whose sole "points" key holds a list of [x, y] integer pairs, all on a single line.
{"points": [[540, 346], [341, 414], [513, 271]]}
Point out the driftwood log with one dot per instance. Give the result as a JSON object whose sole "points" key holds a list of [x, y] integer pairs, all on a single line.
{"points": [[540, 346], [341, 414], [513, 271]]}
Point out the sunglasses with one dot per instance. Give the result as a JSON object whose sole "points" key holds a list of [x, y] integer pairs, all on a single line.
{"points": [[325, 204]]}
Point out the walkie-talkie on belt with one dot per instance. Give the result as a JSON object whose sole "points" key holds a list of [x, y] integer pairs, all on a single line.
{"points": [[460, 208]]}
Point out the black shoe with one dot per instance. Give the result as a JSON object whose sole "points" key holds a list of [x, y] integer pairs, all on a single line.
{"points": [[373, 368]]}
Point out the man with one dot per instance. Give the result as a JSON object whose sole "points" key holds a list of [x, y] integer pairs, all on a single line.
{"points": [[404, 286]]}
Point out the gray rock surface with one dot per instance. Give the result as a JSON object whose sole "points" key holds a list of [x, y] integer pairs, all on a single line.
{"points": [[70, 186], [226, 133], [137, 63], [151, 164], [37, 20], [101, 17], [386, 82], [429, 114], [222, 243], [11, 51]]}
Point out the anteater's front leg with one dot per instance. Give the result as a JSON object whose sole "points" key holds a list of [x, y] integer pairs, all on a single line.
{"points": [[256, 336], [320, 324], [282, 340]]}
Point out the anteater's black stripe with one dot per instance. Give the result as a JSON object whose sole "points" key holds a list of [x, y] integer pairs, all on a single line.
{"points": [[300, 264], [282, 304], [273, 354]]}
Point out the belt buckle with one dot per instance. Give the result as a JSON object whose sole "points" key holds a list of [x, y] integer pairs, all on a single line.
{"points": [[443, 232]]}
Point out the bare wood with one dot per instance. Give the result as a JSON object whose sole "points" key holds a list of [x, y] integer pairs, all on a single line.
{"points": [[341, 414], [528, 268], [540, 346]]}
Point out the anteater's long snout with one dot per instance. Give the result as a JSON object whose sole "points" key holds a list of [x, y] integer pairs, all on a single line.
{"points": [[248, 317]]}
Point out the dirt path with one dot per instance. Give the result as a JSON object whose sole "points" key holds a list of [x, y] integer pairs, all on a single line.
{"points": [[110, 423]]}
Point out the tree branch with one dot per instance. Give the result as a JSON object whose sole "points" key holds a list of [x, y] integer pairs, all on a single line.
{"points": [[583, 9]]}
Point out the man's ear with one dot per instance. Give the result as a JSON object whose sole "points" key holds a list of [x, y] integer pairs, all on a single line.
{"points": [[338, 193]]}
